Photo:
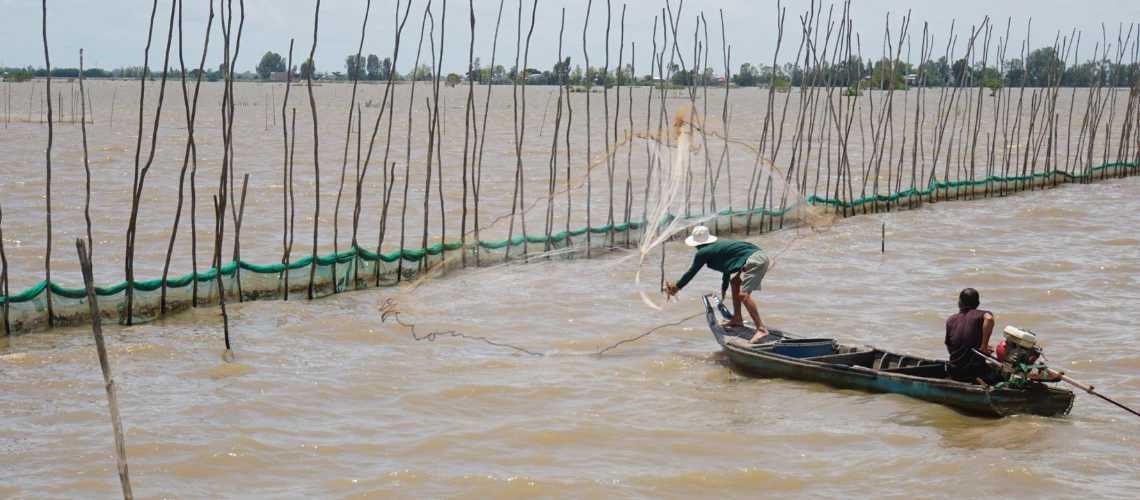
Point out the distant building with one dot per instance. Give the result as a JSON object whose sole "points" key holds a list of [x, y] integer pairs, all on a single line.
{"points": [[911, 80], [280, 76], [718, 81]]}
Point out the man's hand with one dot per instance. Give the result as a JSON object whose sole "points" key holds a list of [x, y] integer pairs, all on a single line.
{"points": [[671, 290], [988, 350]]}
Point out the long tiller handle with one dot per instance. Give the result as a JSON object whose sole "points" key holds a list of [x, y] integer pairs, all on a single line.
{"points": [[1070, 381]]}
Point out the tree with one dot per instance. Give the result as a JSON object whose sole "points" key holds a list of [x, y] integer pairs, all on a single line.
{"points": [[270, 62], [576, 75], [748, 76], [453, 79], [882, 78], [21, 76], [386, 69], [306, 66], [350, 63], [1043, 66], [373, 67], [422, 73], [961, 72]]}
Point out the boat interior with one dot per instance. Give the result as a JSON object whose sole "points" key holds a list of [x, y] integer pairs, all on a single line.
{"points": [[845, 355], [866, 357]]}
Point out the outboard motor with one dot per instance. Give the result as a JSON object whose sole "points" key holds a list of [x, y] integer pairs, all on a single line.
{"points": [[1022, 360], [1019, 347]]}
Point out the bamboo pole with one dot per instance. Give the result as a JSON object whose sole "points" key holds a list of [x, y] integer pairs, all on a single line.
{"points": [[468, 118], [477, 185], [219, 226], [316, 155], [47, 170], [86, 163], [357, 197], [237, 238], [519, 181], [609, 241], [553, 164], [286, 182], [291, 227], [191, 113], [439, 130], [4, 277], [408, 150], [433, 129], [140, 175], [617, 116], [105, 365], [389, 100], [347, 140], [114, 93], [589, 154]]}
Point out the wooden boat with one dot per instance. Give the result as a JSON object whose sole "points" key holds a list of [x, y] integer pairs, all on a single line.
{"points": [[877, 370]]}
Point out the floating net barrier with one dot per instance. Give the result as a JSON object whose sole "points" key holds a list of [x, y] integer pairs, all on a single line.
{"points": [[357, 269]]}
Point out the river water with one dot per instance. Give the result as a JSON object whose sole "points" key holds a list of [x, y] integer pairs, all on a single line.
{"points": [[325, 399]]}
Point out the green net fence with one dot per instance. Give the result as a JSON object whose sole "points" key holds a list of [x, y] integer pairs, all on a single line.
{"points": [[358, 268]]}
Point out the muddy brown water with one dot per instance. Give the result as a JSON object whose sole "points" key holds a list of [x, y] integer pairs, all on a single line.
{"points": [[326, 400]]}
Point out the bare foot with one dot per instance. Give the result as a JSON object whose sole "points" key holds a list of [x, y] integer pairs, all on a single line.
{"points": [[760, 333], [727, 324]]}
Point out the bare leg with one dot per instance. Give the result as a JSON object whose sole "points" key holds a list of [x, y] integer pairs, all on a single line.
{"points": [[737, 317], [746, 299]]}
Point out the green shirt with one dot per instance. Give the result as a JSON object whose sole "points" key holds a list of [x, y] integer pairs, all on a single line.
{"points": [[726, 256]]}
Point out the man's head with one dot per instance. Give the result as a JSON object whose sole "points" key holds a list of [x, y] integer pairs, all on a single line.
{"points": [[700, 236], [969, 298]]}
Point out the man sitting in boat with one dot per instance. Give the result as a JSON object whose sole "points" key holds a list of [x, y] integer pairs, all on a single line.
{"points": [[741, 264], [968, 330]]}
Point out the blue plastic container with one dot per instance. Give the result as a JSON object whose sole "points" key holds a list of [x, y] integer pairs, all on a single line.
{"points": [[805, 348]]}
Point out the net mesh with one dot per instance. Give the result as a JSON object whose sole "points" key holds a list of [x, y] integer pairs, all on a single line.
{"points": [[358, 268]]}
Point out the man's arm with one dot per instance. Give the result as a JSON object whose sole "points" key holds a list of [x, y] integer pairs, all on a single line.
{"points": [[987, 330], [698, 263], [724, 281]]}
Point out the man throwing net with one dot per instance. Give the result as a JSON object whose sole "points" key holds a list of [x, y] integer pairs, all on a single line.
{"points": [[742, 266]]}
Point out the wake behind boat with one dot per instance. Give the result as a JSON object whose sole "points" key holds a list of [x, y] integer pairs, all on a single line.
{"points": [[876, 370]]}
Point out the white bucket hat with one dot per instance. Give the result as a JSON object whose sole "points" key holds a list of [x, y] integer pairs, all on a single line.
{"points": [[700, 236]]}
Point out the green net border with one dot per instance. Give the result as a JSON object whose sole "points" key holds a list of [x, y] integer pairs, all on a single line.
{"points": [[556, 239]]}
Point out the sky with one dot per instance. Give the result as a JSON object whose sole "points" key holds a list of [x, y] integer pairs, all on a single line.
{"points": [[113, 33]]}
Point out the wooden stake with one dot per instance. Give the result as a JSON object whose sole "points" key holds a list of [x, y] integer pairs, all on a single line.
{"points": [[86, 163], [191, 113], [316, 154], [347, 140], [4, 276], [105, 365], [51, 133]]}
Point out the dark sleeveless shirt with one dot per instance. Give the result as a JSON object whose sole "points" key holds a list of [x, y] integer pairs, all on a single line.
{"points": [[963, 335]]}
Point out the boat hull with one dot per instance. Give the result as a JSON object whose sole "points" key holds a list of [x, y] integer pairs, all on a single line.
{"points": [[754, 359]]}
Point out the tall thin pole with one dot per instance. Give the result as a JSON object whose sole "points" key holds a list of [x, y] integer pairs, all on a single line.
{"points": [[51, 133], [316, 149], [86, 163], [105, 365]]}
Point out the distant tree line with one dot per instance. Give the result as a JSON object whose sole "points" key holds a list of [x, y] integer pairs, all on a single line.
{"points": [[1041, 68]]}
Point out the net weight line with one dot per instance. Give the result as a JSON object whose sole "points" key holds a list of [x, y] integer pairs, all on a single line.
{"points": [[389, 311]]}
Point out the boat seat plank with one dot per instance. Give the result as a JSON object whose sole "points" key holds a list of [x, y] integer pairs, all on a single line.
{"points": [[861, 358]]}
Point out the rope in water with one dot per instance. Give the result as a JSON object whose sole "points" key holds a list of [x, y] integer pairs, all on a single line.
{"points": [[388, 311]]}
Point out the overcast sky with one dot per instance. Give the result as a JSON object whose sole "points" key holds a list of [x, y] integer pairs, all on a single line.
{"points": [[114, 33]]}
